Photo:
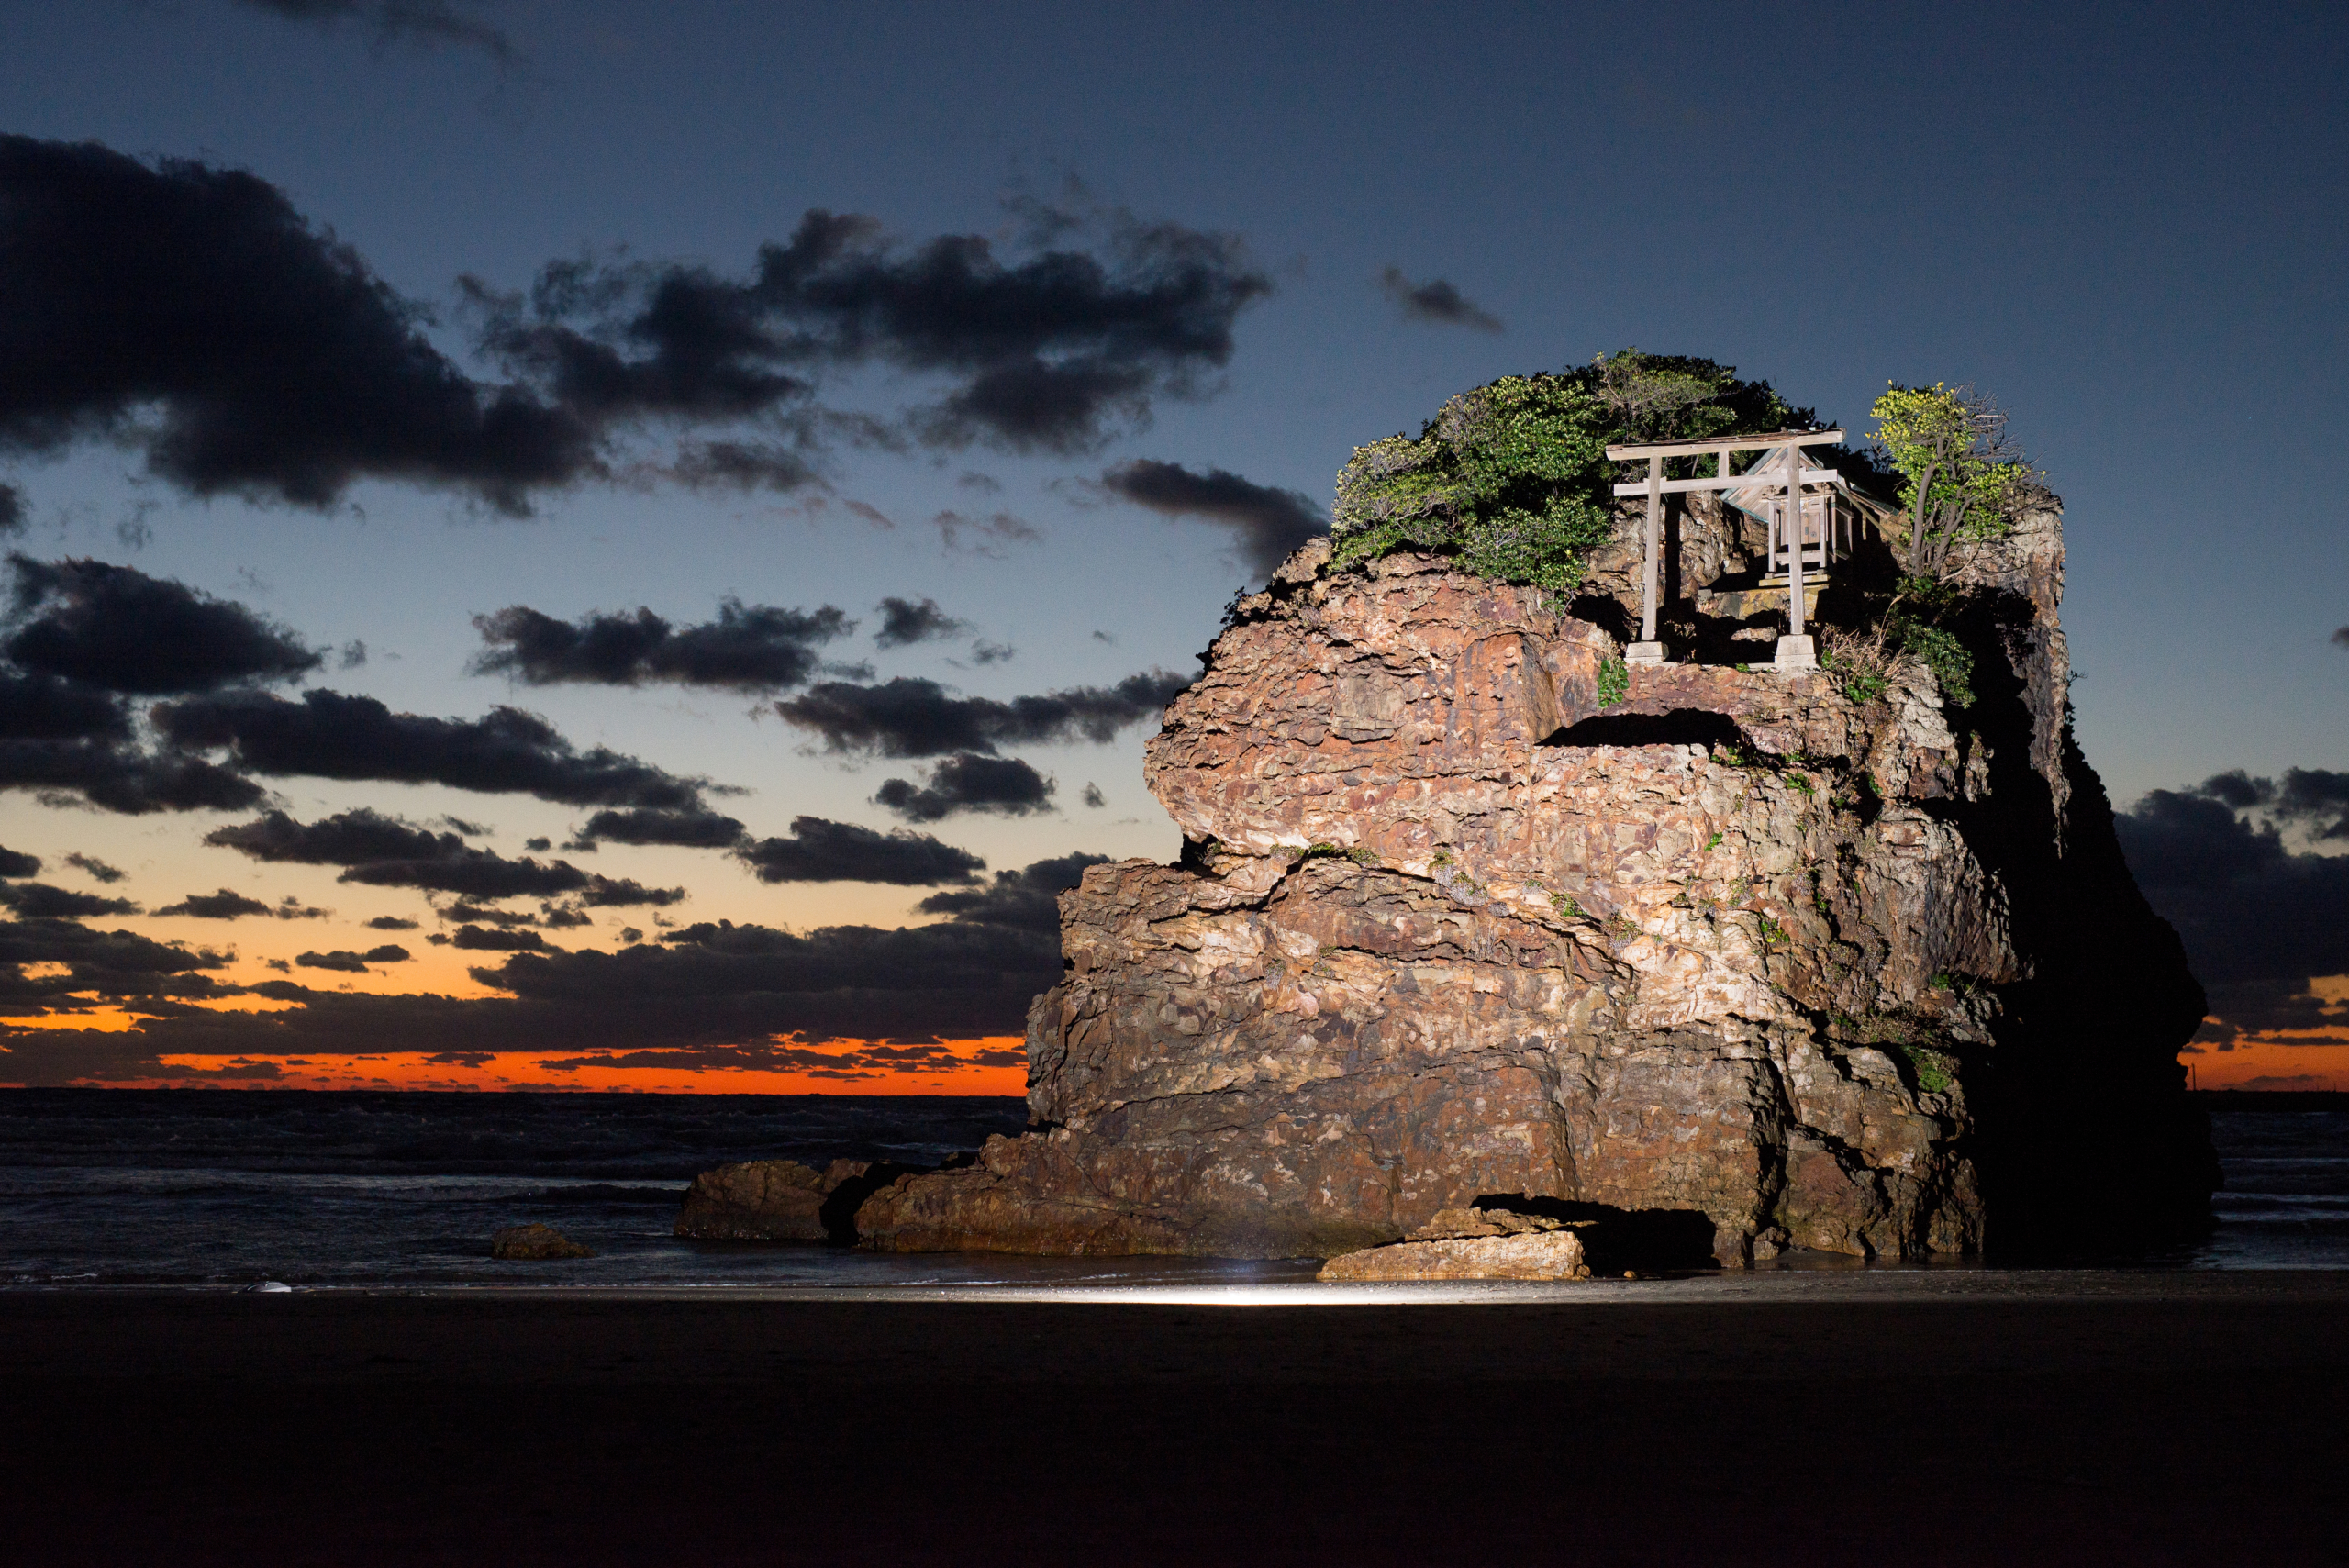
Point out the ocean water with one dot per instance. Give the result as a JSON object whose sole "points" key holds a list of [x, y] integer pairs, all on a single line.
{"points": [[234, 1188]]}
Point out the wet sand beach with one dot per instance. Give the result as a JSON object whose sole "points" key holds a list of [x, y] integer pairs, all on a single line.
{"points": [[1930, 1416]]}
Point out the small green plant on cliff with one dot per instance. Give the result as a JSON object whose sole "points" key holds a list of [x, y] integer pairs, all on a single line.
{"points": [[1621, 928], [1512, 478], [1851, 663], [1802, 782], [1773, 933], [1359, 854], [1441, 859], [1933, 1070], [1714, 843], [1564, 904], [1614, 681]]}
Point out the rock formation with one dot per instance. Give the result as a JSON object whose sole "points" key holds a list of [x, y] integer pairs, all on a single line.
{"points": [[779, 1200], [1868, 977]]}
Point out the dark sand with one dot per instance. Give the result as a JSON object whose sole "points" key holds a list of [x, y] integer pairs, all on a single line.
{"points": [[1880, 1418]]}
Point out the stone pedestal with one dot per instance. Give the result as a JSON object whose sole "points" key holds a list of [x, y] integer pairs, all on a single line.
{"points": [[1796, 653], [1643, 653]]}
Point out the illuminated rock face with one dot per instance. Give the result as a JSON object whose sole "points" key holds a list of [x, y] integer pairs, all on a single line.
{"points": [[1831, 975]]}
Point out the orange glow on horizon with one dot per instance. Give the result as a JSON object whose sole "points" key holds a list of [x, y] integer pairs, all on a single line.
{"points": [[2294, 1060], [419, 1069]]}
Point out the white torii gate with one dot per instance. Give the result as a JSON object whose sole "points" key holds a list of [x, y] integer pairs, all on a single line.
{"points": [[1796, 650]]}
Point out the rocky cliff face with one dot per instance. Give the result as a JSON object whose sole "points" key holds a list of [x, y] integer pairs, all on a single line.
{"points": [[1827, 974]]}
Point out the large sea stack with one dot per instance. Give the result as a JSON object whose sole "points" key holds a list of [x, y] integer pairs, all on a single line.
{"points": [[1466, 909]]}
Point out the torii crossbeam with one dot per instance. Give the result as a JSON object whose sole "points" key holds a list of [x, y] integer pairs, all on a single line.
{"points": [[1796, 650]]}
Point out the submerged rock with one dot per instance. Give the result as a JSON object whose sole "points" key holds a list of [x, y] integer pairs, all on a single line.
{"points": [[1809, 971], [535, 1243]]}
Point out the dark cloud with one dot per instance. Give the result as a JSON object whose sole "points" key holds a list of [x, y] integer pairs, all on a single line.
{"points": [[426, 22], [1027, 899], [352, 838], [117, 778], [755, 647], [1267, 523], [473, 938], [120, 631], [193, 312], [754, 995], [1049, 353], [744, 465], [111, 966], [40, 901], [15, 863], [329, 735], [698, 830], [13, 512], [382, 852], [344, 962], [1093, 797], [2258, 919], [908, 717], [95, 868], [228, 905], [818, 850], [1004, 786], [43, 707], [64, 740], [1436, 302], [2340, 634], [905, 621], [487, 914], [627, 893], [985, 653], [390, 923], [987, 534], [2311, 800], [225, 904]]}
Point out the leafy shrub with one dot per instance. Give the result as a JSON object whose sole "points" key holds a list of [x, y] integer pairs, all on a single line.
{"points": [[1614, 681], [1512, 478], [1933, 1070]]}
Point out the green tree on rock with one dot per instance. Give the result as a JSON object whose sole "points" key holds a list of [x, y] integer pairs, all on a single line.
{"points": [[1962, 478], [1512, 478]]}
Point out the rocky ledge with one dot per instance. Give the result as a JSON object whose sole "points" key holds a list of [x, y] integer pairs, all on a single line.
{"points": [[780, 1200], [1731, 948]]}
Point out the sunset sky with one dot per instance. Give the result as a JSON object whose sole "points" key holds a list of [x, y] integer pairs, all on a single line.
{"points": [[605, 546]]}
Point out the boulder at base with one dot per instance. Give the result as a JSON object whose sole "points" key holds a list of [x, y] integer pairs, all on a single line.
{"points": [[535, 1243], [1530, 1255], [779, 1200]]}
